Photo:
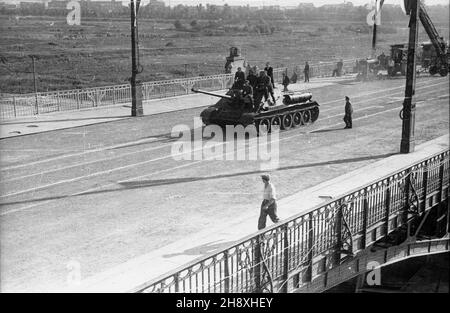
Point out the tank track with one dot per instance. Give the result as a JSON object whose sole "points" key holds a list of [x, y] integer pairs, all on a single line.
{"points": [[288, 117]]}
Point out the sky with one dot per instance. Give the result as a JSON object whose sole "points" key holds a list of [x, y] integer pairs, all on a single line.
{"points": [[261, 2]]}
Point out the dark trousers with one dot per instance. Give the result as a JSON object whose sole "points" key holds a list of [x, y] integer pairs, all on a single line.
{"points": [[265, 92], [348, 121], [271, 211], [337, 73], [306, 77]]}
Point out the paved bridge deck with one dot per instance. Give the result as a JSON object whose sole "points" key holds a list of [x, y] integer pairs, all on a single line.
{"points": [[147, 267]]}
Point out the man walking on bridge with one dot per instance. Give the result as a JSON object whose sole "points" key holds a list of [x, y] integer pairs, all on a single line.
{"points": [[269, 204]]}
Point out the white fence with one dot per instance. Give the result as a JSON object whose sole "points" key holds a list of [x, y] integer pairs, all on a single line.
{"points": [[71, 100]]}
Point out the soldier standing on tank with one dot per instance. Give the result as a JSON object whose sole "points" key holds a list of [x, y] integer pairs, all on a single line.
{"points": [[264, 87], [247, 94], [269, 70], [252, 78], [348, 113], [269, 204], [239, 79]]}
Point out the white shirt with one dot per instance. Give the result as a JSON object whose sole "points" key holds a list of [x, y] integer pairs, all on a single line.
{"points": [[269, 192]]}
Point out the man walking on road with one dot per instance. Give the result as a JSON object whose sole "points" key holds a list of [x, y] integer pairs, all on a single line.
{"points": [[269, 204], [306, 72], [348, 113]]}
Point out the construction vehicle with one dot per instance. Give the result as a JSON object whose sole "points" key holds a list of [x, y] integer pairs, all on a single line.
{"points": [[435, 56], [439, 61], [369, 69], [296, 109], [396, 62]]}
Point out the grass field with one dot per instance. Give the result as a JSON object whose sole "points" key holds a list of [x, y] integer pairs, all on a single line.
{"points": [[97, 52]]}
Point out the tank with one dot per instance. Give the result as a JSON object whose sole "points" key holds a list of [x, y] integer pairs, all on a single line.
{"points": [[295, 110]]}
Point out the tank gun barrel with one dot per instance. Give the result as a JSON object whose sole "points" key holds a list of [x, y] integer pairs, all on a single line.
{"points": [[211, 94]]}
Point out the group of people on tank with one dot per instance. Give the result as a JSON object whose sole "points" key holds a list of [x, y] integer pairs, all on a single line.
{"points": [[255, 86]]}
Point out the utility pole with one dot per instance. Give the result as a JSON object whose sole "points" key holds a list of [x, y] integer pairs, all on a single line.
{"points": [[35, 85], [376, 20], [136, 87], [408, 113]]}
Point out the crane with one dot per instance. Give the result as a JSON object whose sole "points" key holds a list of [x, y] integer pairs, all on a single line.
{"points": [[439, 62]]}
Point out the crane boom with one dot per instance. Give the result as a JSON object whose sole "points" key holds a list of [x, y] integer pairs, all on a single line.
{"points": [[437, 41]]}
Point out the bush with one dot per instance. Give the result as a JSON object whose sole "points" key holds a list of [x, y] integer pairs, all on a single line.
{"points": [[178, 25]]}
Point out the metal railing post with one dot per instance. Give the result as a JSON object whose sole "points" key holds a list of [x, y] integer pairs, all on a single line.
{"points": [[78, 99], [425, 187], [364, 221], [14, 106], [177, 282], [441, 180], [257, 265], [404, 214], [226, 272], [114, 95], [310, 246], [336, 256], [440, 210], [36, 103], [58, 101], [285, 254], [387, 205], [96, 97]]}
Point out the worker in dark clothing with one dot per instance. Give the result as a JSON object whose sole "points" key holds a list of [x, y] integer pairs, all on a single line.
{"points": [[338, 70], [382, 60], [294, 77], [239, 79], [306, 72], [348, 113], [269, 70], [340, 67], [286, 82], [247, 95], [252, 79]]}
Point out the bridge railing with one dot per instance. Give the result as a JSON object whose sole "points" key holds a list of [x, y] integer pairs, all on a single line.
{"points": [[71, 100], [292, 253]]}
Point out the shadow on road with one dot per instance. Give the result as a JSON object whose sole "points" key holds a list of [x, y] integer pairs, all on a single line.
{"points": [[171, 181], [327, 130], [201, 249]]}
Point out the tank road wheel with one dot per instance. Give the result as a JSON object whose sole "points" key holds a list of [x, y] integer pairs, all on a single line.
{"points": [[286, 121], [306, 117], [297, 120], [433, 70], [314, 114], [264, 126], [275, 121]]}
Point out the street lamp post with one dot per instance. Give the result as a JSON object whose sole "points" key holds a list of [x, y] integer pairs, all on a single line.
{"points": [[136, 87], [408, 113], [35, 85]]}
